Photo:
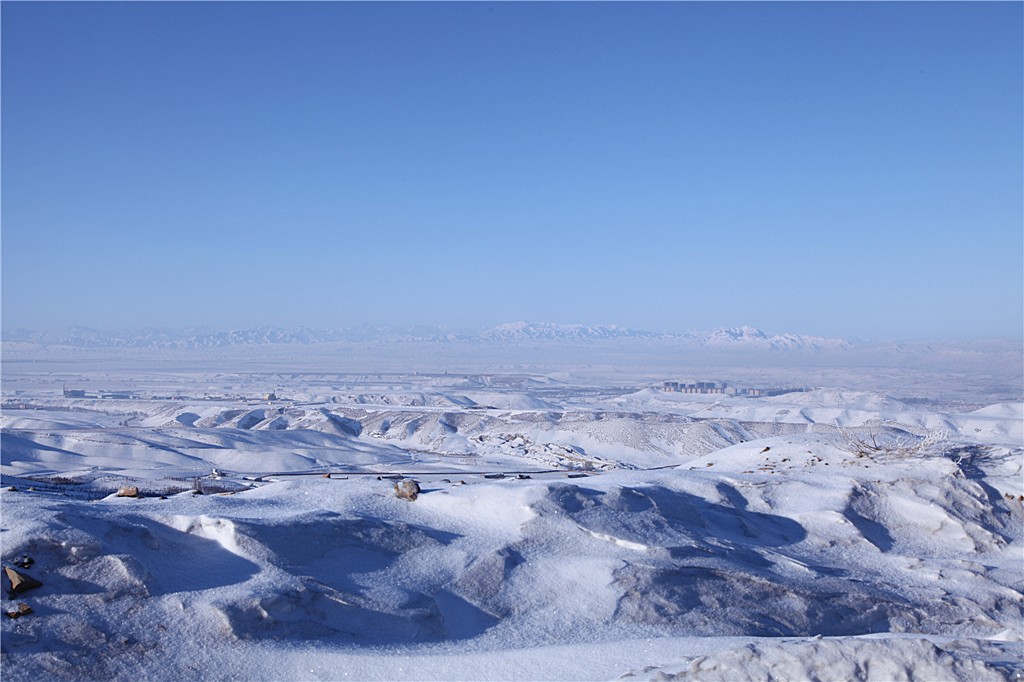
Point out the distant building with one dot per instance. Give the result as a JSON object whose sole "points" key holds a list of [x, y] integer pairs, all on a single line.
{"points": [[720, 388], [270, 396], [117, 395], [73, 392], [703, 387]]}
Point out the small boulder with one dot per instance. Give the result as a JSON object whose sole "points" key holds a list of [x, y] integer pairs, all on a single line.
{"points": [[128, 491], [407, 490], [20, 582], [22, 609]]}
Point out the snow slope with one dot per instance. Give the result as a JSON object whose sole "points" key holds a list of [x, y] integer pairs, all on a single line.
{"points": [[317, 567], [642, 537]]}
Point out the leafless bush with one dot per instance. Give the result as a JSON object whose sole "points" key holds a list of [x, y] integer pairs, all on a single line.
{"points": [[877, 445]]}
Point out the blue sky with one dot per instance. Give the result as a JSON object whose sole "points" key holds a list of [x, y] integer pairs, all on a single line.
{"points": [[847, 169]]}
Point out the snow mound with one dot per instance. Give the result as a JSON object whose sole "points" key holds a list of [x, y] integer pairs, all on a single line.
{"points": [[846, 659], [1001, 411], [849, 400]]}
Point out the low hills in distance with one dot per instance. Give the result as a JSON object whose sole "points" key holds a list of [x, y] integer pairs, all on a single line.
{"points": [[739, 338], [529, 346]]}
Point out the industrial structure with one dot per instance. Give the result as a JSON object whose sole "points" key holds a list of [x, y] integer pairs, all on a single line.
{"points": [[104, 395], [721, 388]]}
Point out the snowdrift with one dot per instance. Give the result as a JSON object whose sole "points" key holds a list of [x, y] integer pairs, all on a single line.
{"points": [[910, 549], [555, 536]]}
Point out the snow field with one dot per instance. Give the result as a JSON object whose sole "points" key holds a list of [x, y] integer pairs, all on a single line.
{"points": [[521, 564], [695, 542]]}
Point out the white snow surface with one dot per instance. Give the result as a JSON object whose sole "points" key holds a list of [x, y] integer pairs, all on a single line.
{"points": [[566, 528]]}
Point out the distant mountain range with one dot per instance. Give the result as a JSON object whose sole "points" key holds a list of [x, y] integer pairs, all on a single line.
{"points": [[724, 339], [85, 337], [546, 331], [755, 339], [737, 338]]}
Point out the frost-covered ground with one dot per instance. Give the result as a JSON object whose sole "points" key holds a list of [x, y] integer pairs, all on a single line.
{"points": [[577, 524]]}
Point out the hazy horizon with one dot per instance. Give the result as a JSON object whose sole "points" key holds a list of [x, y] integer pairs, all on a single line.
{"points": [[366, 332], [836, 170]]}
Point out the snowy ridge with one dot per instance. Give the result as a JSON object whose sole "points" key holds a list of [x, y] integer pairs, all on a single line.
{"points": [[750, 338]]}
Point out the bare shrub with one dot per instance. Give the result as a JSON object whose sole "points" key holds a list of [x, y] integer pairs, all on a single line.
{"points": [[896, 444]]}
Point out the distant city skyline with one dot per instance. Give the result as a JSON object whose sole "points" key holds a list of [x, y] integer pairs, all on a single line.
{"points": [[838, 170]]}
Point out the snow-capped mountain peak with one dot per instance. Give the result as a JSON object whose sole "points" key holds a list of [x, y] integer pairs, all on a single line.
{"points": [[736, 335], [755, 339]]}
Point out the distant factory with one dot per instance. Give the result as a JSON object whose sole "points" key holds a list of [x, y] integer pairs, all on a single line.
{"points": [[105, 395], [721, 388]]}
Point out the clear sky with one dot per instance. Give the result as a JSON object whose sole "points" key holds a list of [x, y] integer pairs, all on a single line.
{"points": [[833, 169]]}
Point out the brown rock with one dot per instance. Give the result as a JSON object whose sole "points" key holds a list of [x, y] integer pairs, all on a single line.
{"points": [[128, 491], [408, 490], [20, 582], [22, 610]]}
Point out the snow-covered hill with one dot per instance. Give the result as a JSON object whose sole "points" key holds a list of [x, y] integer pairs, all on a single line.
{"points": [[749, 338]]}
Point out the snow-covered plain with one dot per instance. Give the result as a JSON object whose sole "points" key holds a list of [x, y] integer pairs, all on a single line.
{"points": [[574, 521]]}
